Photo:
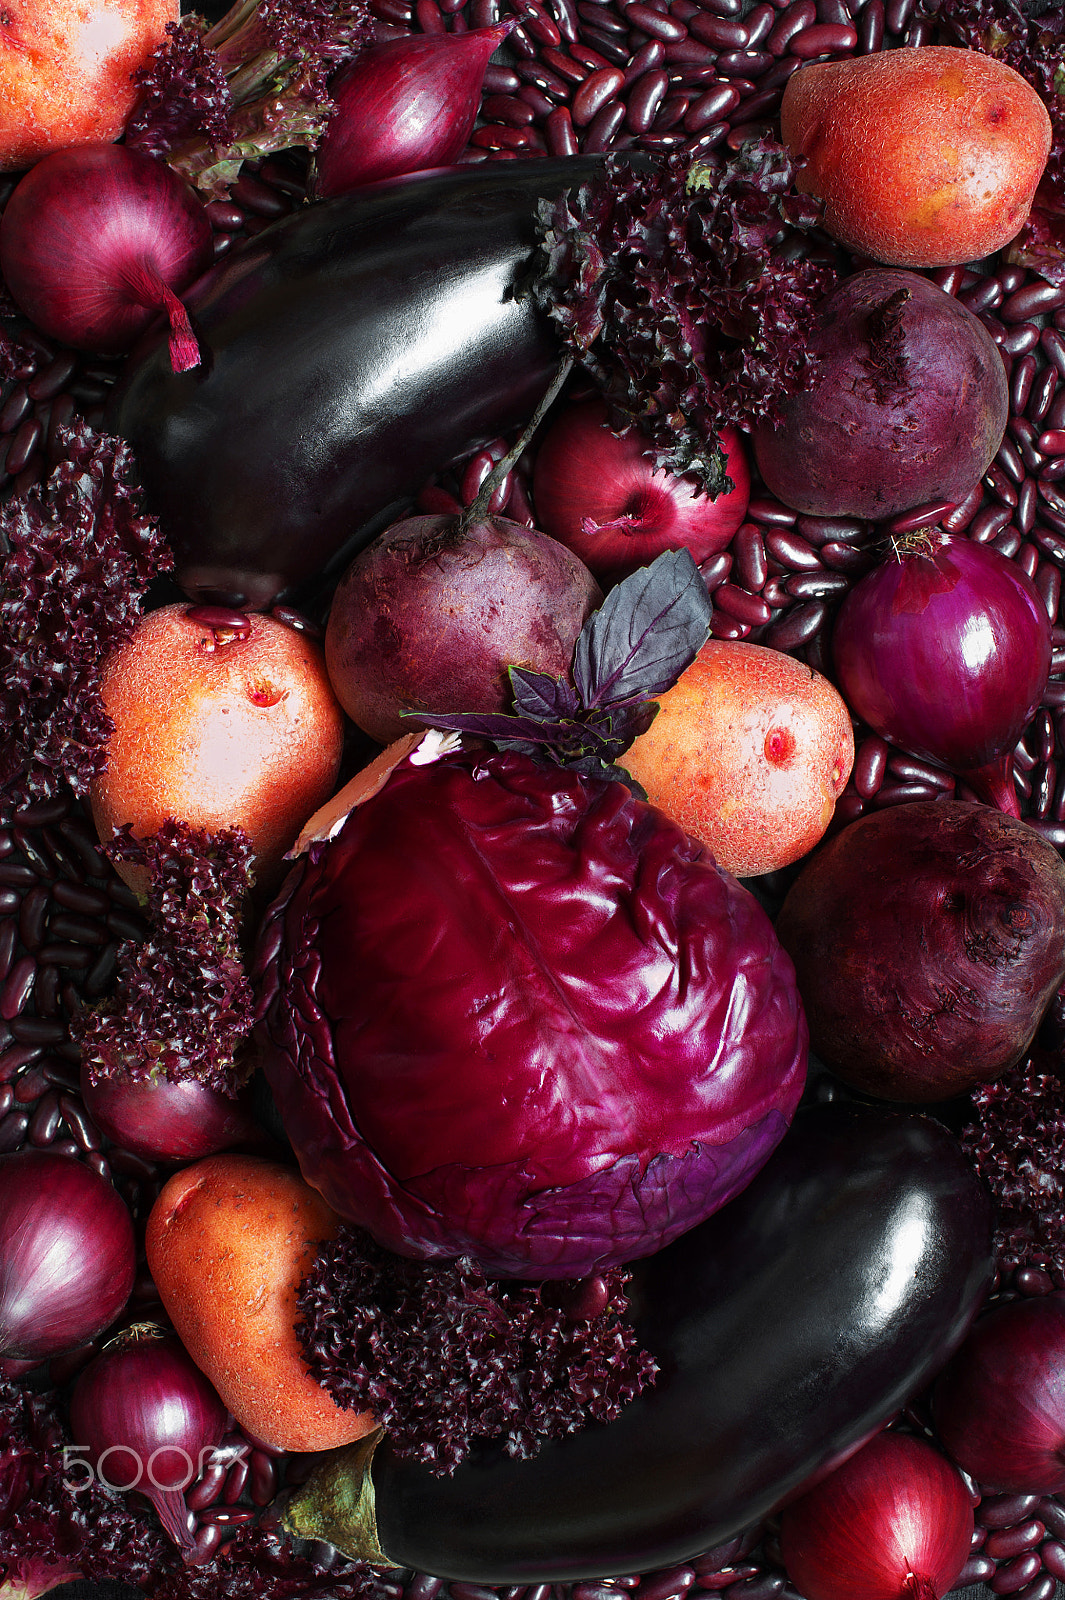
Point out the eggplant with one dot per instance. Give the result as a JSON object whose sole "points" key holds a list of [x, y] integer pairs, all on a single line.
{"points": [[788, 1329], [349, 352]]}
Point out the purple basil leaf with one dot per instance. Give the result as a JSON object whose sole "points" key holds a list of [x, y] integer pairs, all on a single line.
{"points": [[544, 698], [650, 627], [494, 725]]}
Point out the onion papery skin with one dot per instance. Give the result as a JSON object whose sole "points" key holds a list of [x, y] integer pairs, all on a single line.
{"points": [[515, 1013], [145, 1412], [600, 493], [999, 1406], [928, 941], [67, 1257], [403, 106], [894, 1522], [945, 649], [167, 1121], [93, 241]]}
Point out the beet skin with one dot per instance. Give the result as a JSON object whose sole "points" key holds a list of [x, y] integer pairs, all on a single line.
{"points": [[909, 404], [928, 941]]}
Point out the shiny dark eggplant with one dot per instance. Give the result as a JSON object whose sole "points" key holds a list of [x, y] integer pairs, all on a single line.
{"points": [[788, 1328], [350, 352]]}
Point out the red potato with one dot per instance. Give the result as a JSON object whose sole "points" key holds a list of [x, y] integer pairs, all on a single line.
{"points": [[66, 72], [228, 1241], [217, 727], [749, 752], [924, 158]]}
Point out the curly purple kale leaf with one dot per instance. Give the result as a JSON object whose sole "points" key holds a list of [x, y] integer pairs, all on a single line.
{"points": [[446, 1357]]}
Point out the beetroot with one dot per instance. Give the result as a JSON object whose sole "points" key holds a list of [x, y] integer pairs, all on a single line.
{"points": [[928, 941], [908, 405], [430, 616]]}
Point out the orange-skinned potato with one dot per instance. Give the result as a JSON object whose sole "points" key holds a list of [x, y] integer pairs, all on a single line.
{"points": [[228, 1241], [749, 752], [924, 158]]}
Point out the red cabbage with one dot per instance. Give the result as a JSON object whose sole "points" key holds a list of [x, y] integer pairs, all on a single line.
{"points": [[515, 1013]]}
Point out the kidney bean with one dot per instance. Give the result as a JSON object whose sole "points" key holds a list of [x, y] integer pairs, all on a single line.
{"points": [[792, 20], [1014, 1575], [1019, 340], [604, 125], [792, 550], [727, 1577], [798, 625], [1004, 1510], [648, 58], [722, 626], [1043, 391], [17, 988], [958, 520], [742, 606], [44, 1124], [1002, 1543], [597, 91], [644, 99], [80, 1123], [870, 765], [988, 523], [824, 38], [871, 27], [668, 29], [13, 1130]]}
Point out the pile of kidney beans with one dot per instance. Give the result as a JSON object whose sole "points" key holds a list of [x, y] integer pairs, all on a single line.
{"points": [[588, 75]]}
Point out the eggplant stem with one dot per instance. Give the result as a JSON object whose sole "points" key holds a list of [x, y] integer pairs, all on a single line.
{"points": [[478, 507]]}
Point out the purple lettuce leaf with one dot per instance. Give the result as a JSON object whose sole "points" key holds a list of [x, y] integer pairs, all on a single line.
{"points": [[680, 291], [182, 1003], [78, 555], [255, 83], [446, 1357]]}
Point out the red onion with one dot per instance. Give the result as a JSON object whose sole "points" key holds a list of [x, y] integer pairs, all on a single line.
{"points": [[97, 241], [167, 1121], [67, 1256], [149, 1420], [945, 649], [404, 106], [600, 494], [894, 1522], [999, 1405]]}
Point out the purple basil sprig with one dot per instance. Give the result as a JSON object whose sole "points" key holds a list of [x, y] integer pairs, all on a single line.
{"points": [[650, 627]]}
